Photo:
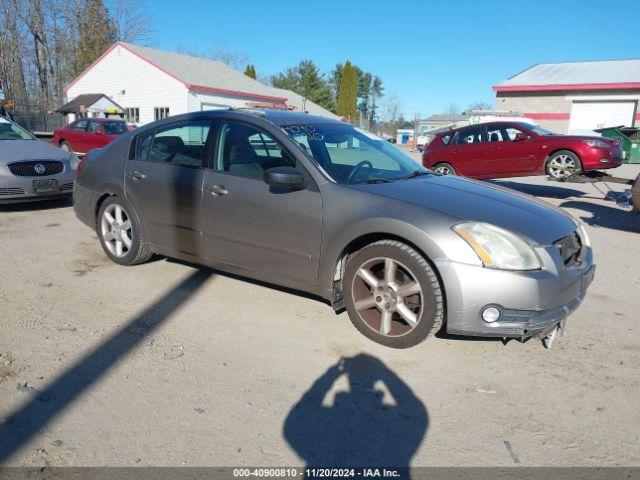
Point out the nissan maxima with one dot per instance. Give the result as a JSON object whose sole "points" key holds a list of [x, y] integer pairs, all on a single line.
{"points": [[323, 207], [31, 169]]}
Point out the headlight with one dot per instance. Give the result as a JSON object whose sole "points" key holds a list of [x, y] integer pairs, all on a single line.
{"points": [[582, 232], [498, 248], [73, 161], [596, 143]]}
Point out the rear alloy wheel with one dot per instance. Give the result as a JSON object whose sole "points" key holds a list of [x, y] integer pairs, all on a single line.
{"points": [[392, 294], [444, 169], [563, 164], [120, 233]]}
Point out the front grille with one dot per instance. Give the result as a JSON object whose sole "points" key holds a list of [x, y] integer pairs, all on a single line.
{"points": [[11, 191], [66, 186], [36, 168], [571, 249]]}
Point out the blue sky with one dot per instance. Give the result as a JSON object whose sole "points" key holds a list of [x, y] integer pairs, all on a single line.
{"points": [[429, 54]]}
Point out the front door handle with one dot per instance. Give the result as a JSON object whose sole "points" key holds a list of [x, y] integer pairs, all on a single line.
{"points": [[137, 175], [217, 190]]}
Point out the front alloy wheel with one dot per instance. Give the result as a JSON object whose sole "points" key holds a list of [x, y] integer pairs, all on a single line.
{"points": [[392, 294]]}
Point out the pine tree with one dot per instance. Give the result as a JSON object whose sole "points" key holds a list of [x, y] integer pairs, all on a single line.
{"points": [[250, 71], [96, 33], [305, 79], [348, 93]]}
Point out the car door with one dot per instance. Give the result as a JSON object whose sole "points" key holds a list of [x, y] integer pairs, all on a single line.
{"points": [[511, 151], [95, 136], [250, 225], [467, 149], [74, 137], [163, 181]]}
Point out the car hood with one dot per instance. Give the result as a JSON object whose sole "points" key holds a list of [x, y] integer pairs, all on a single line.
{"points": [[12, 150], [576, 138], [470, 200]]}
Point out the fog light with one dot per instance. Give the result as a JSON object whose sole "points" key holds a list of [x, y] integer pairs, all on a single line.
{"points": [[490, 314]]}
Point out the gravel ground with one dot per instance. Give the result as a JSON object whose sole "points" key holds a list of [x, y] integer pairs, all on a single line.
{"points": [[166, 364]]}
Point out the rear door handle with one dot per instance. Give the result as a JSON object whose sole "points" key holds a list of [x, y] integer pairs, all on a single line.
{"points": [[217, 190], [137, 175]]}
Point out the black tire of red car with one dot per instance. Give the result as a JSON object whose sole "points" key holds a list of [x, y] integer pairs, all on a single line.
{"points": [[138, 252], [446, 168], [411, 267], [559, 154]]}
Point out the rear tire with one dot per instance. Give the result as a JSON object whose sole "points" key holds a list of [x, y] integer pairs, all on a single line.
{"points": [[562, 164], [444, 168], [120, 234], [392, 294]]}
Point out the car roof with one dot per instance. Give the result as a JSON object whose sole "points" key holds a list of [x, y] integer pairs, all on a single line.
{"points": [[485, 124]]}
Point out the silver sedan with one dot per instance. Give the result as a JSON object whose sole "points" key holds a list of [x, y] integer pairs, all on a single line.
{"points": [[31, 169]]}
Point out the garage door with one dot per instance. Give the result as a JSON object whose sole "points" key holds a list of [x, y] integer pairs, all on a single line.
{"points": [[587, 116]]}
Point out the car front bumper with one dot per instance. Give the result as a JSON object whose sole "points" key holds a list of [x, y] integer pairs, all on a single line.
{"points": [[530, 303], [596, 158], [17, 189]]}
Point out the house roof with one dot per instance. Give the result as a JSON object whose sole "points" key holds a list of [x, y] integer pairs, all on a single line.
{"points": [[87, 100], [304, 105], [196, 73], [612, 74]]}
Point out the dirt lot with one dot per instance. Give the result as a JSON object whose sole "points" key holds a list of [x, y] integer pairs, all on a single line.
{"points": [[167, 364]]}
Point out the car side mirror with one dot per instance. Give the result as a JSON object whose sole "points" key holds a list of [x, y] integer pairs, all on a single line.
{"points": [[520, 136], [284, 177]]}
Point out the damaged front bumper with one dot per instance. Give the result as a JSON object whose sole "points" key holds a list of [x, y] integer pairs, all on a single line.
{"points": [[531, 304]]}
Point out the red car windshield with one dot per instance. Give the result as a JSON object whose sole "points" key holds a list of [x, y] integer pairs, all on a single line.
{"points": [[115, 127]]}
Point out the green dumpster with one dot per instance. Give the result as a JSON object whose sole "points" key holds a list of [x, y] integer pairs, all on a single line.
{"points": [[629, 141]]}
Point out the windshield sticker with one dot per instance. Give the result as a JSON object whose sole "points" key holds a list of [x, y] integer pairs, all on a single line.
{"points": [[308, 131]]}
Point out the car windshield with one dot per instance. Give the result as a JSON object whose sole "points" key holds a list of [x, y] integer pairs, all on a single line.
{"points": [[11, 131], [115, 127], [537, 129], [350, 155]]}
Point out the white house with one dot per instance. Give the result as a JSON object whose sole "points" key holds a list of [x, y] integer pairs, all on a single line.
{"points": [[150, 84]]}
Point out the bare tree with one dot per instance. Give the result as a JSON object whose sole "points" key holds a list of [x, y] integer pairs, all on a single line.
{"points": [[12, 74], [132, 20], [390, 108], [452, 109], [234, 58], [480, 105]]}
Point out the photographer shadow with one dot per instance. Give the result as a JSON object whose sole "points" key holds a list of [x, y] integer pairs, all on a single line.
{"points": [[377, 422]]}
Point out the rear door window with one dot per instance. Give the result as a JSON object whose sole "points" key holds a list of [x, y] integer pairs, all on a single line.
{"points": [[183, 144], [470, 136]]}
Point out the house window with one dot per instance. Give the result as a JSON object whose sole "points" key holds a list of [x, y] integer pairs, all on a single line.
{"points": [[132, 114], [160, 112]]}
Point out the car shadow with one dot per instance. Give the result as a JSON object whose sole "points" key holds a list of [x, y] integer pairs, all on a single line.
{"points": [[37, 205], [546, 191], [605, 216], [46, 404], [377, 421]]}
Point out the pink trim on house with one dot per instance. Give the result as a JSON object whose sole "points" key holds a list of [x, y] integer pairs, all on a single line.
{"points": [[638, 117], [547, 116], [190, 86], [583, 86]]}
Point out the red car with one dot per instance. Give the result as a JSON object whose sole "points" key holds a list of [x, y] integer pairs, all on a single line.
{"points": [[88, 133], [513, 149]]}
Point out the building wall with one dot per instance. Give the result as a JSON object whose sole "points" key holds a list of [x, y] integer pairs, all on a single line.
{"points": [[144, 86], [208, 100], [552, 109]]}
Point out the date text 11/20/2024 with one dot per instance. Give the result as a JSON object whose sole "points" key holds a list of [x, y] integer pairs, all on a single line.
{"points": [[317, 472]]}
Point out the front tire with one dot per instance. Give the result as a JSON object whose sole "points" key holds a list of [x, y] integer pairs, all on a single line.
{"points": [[561, 165], [120, 234], [392, 294], [444, 169]]}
